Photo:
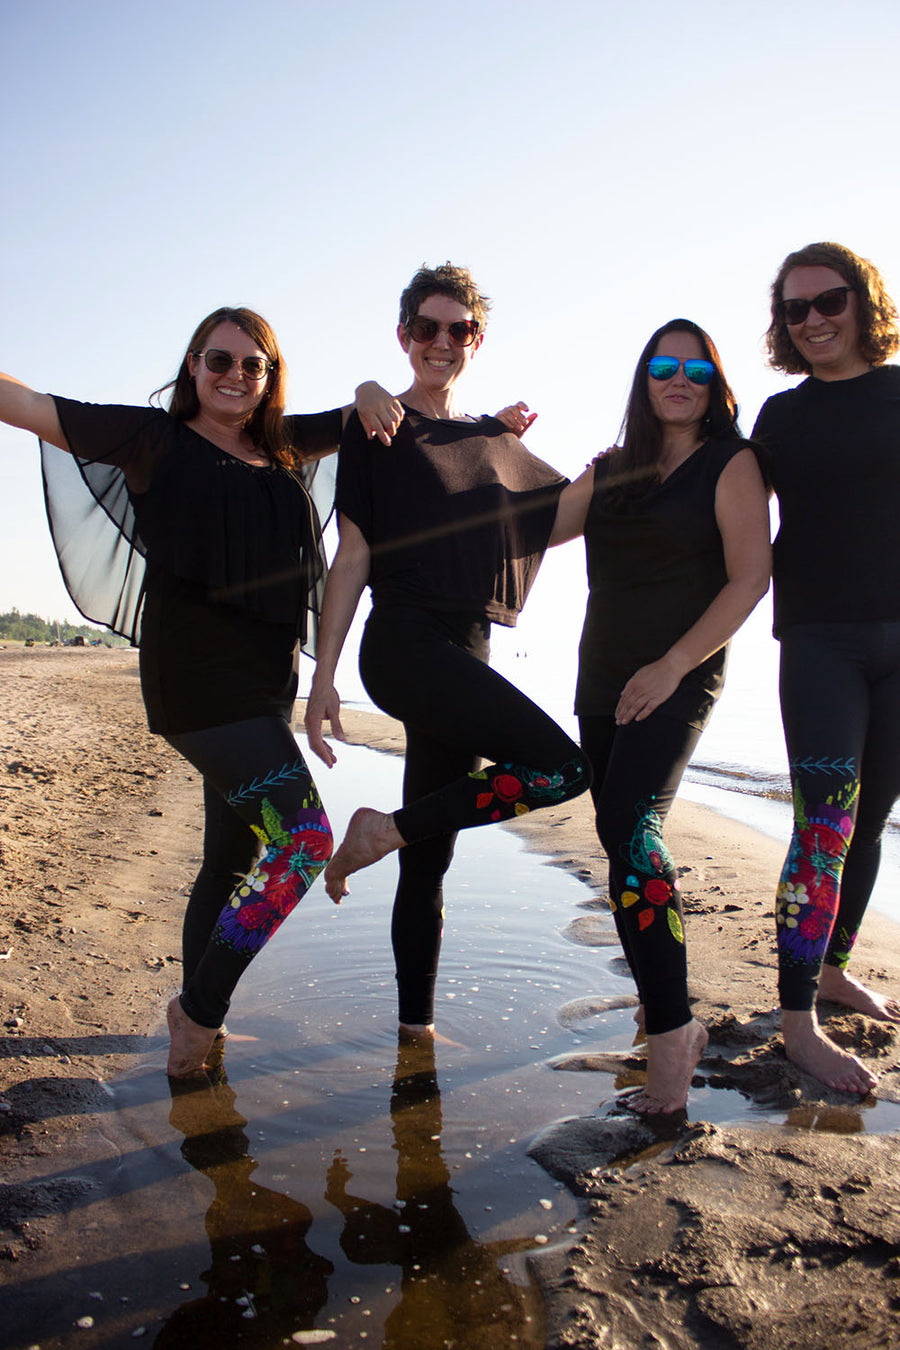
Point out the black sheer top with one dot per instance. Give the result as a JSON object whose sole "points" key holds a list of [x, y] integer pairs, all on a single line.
{"points": [[213, 566]]}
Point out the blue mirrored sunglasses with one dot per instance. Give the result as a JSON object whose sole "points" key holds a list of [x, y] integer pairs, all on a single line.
{"points": [[695, 370]]}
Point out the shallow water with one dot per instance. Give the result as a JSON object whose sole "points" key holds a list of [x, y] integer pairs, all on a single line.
{"points": [[336, 1188]]}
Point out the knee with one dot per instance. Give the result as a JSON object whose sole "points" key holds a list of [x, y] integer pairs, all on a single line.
{"points": [[575, 777]]}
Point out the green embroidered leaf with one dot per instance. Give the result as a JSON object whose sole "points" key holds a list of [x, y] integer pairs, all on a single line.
{"points": [[675, 927], [275, 831]]}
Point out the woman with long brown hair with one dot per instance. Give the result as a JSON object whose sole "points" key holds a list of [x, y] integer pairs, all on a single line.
{"points": [[191, 531], [677, 540]]}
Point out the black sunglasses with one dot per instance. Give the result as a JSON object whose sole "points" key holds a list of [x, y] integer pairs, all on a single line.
{"points": [[827, 303], [462, 333], [220, 362]]}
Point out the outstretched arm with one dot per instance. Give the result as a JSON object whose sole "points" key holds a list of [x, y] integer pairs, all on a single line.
{"points": [[742, 515], [348, 575], [25, 408]]}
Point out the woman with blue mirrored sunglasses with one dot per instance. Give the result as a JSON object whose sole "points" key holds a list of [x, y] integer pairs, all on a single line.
{"points": [[676, 529]]}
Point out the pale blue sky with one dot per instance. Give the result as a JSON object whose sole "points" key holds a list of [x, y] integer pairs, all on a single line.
{"points": [[601, 167]]}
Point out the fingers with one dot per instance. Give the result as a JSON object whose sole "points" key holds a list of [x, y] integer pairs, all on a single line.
{"points": [[384, 422], [516, 418], [319, 746]]}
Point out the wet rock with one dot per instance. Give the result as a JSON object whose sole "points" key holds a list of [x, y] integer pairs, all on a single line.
{"points": [[575, 1150]]}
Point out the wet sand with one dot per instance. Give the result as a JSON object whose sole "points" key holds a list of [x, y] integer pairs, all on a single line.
{"points": [[786, 1235]]}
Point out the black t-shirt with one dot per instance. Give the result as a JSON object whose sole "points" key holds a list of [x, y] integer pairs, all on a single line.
{"points": [[655, 563], [212, 564], [457, 514], [831, 450]]}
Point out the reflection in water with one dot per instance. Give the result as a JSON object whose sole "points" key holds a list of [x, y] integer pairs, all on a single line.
{"points": [[829, 1119], [263, 1282], [453, 1292]]}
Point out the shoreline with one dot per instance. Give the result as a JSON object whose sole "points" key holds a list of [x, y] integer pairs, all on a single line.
{"points": [[100, 834]]}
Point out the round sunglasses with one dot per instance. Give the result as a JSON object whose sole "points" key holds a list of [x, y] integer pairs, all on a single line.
{"points": [[666, 368], [827, 303], [220, 362], [462, 333]]}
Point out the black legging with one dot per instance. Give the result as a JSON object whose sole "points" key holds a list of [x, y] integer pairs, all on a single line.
{"points": [[259, 799], [428, 669], [840, 703], [637, 770]]}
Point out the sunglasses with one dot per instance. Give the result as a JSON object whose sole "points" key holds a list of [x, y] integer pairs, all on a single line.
{"points": [[827, 303], [462, 333], [220, 362], [666, 367]]}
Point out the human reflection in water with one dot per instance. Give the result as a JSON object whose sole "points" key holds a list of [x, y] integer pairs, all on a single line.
{"points": [[264, 1282], [453, 1291]]}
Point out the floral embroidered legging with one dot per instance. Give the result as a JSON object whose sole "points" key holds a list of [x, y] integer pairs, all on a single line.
{"points": [[637, 769], [428, 669], [840, 703], [266, 839]]}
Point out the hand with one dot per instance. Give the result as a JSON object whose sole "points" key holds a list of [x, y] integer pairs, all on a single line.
{"points": [[516, 417], [646, 690], [323, 705], [379, 412]]}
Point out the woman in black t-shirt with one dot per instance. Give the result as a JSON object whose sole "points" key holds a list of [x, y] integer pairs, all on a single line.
{"points": [[448, 529], [192, 532], [831, 448], [677, 539]]}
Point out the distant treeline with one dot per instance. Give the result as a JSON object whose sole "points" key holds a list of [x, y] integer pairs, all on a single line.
{"points": [[24, 627]]}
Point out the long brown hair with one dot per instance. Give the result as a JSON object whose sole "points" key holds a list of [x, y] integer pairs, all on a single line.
{"points": [[265, 425], [878, 337], [634, 465]]}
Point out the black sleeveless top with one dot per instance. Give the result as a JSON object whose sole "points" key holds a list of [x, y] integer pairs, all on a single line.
{"points": [[655, 563]]}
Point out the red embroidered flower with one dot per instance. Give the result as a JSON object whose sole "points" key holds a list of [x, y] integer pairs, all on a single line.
{"points": [[507, 788], [657, 891], [645, 918], [315, 844], [484, 799]]}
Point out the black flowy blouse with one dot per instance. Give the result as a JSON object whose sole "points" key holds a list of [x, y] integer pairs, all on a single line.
{"points": [[212, 566]]}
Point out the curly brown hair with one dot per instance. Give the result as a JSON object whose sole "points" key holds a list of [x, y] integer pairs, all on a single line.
{"points": [[878, 336], [455, 282], [265, 425]]}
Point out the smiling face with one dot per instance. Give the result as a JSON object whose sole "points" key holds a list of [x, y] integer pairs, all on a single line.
{"points": [[232, 396], [678, 403], [831, 346], [438, 364]]}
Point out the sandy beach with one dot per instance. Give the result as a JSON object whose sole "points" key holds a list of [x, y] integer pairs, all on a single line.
{"points": [[785, 1235]]}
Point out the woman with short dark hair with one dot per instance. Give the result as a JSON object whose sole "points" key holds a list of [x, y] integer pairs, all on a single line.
{"points": [[448, 529]]}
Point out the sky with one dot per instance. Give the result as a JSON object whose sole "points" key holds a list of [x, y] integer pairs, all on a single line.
{"points": [[601, 168]]}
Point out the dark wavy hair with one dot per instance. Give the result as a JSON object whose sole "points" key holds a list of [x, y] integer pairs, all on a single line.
{"points": [[634, 464], [878, 336], [455, 282], [265, 425]]}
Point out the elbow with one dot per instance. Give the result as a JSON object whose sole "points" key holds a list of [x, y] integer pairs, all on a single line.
{"points": [[758, 587]]}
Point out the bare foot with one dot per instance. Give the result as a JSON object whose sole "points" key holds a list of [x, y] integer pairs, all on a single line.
{"points": [[807, 1046], [414, 1032], [838, 987], [370, 836], [672, 1058], [190, 1043]]}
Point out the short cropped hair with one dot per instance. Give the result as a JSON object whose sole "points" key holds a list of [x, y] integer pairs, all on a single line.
{"points": [[455, 282]]}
